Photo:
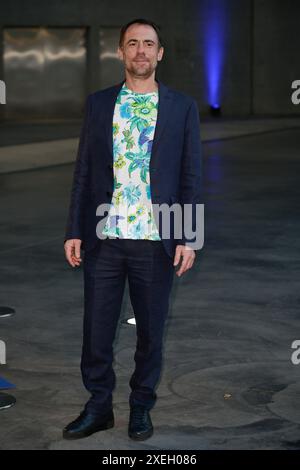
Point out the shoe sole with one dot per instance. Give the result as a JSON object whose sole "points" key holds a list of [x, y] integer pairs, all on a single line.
{"points": [[141, 437], [80, 435]]}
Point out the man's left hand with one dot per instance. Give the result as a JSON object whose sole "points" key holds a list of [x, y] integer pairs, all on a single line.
{"points": [[188, 256]]}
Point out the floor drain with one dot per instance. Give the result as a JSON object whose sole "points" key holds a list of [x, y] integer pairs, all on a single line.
{"points": [[6, 401], [6, 312]]}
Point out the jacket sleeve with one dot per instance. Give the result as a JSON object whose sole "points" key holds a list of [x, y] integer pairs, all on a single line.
{"points": [[191, 173], [74, 226]]}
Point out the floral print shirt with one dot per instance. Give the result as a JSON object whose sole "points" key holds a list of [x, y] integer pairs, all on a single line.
{"points": [[131, 214]]}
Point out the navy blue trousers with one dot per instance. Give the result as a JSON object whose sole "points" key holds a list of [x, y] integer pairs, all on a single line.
{"points": [[150, 273]]}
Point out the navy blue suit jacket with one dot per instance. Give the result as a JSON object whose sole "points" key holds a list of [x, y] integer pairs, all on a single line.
{"points": [[175, 164]]}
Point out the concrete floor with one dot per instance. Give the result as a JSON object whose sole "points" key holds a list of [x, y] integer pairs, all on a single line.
{"points": [[35, 145], [228, 381]]}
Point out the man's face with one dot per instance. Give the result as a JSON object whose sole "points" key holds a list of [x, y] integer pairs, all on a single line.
{"points": [[140, 51]]}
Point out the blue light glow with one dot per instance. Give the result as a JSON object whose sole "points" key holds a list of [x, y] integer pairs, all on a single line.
{"points": [[214, 17]]}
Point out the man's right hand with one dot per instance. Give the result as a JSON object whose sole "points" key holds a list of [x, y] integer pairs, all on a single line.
{"points": [[72, 251]]}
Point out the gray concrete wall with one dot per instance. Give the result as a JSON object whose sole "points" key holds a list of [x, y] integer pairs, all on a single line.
{"points": [[260, 44], [276, 61]]}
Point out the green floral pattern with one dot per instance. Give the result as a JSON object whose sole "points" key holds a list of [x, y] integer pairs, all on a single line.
{"points": [[131, 213]]}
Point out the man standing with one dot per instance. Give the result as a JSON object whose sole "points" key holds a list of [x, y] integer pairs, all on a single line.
{"points": [[139, 147]]}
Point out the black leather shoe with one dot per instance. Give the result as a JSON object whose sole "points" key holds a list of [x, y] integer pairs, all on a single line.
{"points": [[88, 423], [140, 425]]}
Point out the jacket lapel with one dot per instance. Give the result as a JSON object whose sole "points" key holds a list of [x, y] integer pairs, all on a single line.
{"points": [[164, 105]]}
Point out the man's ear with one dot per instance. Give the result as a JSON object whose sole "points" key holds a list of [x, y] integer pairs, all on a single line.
{"points": [[160, 54], [120, 53]]}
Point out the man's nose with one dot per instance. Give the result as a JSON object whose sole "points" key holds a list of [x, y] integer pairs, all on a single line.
{"points": [[140, 47]]}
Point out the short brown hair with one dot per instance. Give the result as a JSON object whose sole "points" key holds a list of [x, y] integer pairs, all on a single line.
{"points": [[141, 21]]}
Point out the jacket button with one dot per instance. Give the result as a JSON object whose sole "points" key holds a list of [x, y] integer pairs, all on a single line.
{"points": [[109, 193]]}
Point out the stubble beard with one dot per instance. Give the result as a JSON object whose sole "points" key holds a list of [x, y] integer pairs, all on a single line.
{"points": [[144, 70]]}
